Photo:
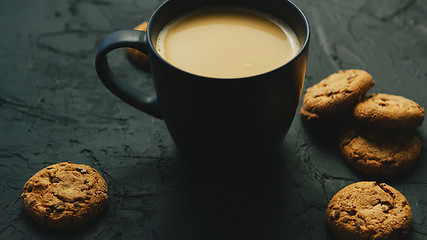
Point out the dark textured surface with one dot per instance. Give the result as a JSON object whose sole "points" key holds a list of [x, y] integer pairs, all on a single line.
{"points": [[53, 108]]}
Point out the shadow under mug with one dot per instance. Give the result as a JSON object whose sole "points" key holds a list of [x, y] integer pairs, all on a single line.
{"points": [[208, 115]]}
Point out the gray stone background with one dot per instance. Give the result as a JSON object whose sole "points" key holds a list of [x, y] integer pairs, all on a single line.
{"points": [[53, 108]]}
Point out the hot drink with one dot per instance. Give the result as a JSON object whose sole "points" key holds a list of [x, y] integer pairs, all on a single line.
{"points": [[227, 42]]}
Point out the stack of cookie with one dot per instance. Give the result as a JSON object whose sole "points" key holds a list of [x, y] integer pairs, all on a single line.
{"points": [[381, 143]]}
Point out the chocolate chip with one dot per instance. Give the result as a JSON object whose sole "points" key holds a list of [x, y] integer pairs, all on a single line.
{"points": [[335, 214], [84, 171], [351, 77], [55, 180], [384, 208], [30, 187], [352, 212]]}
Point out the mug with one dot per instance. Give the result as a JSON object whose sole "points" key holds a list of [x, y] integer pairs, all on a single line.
{"points": [[210, 115]]}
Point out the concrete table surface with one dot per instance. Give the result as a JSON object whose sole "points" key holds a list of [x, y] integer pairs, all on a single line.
{"points": [[53, 108]]}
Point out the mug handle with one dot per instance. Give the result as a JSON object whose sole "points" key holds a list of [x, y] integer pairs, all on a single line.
{"points": [[124, 39]]}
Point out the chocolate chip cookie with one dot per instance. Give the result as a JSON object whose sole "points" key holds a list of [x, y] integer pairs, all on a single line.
{"points": [[389, 111], [380, 152], [367, 210], [335, 94], [137, 57], [65, 195]]}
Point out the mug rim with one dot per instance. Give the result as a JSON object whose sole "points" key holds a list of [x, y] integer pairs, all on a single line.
{"points": [[302, 49]]}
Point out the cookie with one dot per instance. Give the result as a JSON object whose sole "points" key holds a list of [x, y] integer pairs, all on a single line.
{"points": [[137, 57], [380, 152], [368, 210], [65, 195], [389, 111], [335, 94]]}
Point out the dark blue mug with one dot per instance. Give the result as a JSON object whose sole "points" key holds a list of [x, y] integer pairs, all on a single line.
{"points": [[205, 114]]}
